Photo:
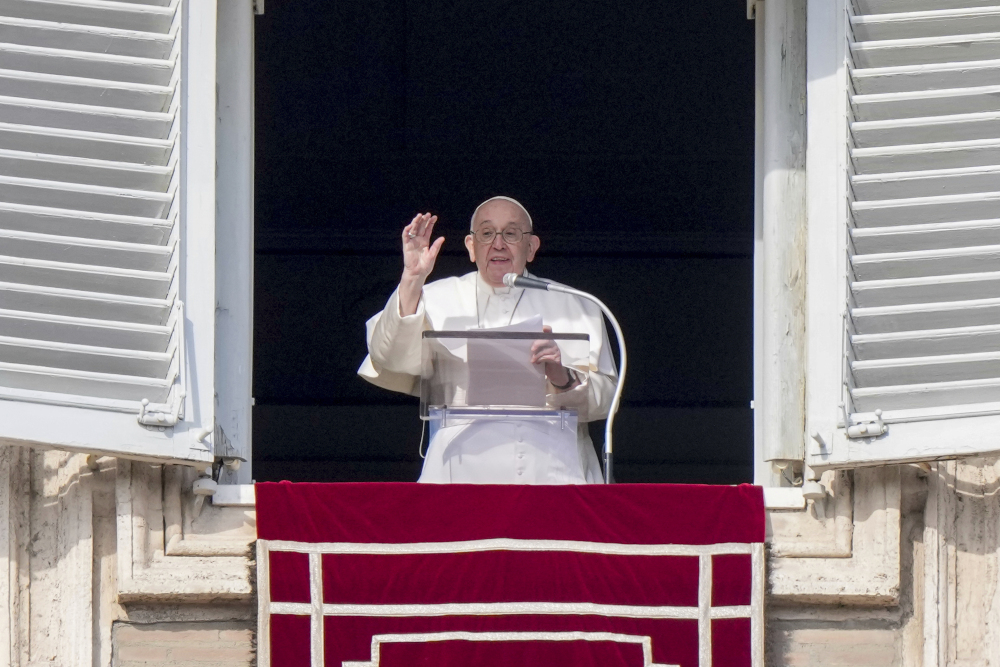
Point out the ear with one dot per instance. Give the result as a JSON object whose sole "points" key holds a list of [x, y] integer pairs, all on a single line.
{"points": [[470, 245], [533, 244]]}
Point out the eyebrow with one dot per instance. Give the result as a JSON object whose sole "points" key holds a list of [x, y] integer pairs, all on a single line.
{"points": [[510, 222]]}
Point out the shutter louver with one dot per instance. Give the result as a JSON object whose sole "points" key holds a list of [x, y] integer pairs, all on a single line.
{"points": [[923, 323], [107, 287]]}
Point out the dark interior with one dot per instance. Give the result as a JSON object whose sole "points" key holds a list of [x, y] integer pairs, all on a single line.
{"points": [[626, 129]]}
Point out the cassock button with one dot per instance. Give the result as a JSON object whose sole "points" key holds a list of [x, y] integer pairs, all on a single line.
{"points": [[520, 472], [521, 439]]}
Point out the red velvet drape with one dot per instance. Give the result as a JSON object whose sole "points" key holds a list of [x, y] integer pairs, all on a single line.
{"points": [[591, 603]]}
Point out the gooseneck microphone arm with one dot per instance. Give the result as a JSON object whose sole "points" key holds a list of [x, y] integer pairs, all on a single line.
{"points": [[514, 280]]}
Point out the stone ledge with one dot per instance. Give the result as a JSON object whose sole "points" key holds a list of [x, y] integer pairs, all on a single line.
{"points": [[811, 560], [171, 548]]}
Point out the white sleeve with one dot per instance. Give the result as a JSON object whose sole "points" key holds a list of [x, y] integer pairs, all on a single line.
{"points": [[592, 397], [394, 340]]}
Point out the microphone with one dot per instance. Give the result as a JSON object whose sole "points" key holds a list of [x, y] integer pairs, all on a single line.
{"points": [[514, 280]]}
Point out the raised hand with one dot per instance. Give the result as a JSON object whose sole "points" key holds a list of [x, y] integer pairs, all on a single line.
{"points": [[419, 254]]}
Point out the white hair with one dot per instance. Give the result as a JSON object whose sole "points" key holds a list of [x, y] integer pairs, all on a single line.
{"points": [[472, 222]]}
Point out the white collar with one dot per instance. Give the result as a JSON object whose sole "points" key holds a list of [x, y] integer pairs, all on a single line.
{"points": [[486, 290]]}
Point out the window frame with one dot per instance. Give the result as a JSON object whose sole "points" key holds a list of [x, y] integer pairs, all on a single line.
{"points": [[234, 257]]}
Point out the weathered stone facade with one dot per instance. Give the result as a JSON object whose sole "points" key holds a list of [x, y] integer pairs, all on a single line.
{"points": [[920, 585], [112, 562]]}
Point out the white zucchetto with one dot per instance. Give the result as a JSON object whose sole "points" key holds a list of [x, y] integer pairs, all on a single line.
{"points": [[472, 221]]}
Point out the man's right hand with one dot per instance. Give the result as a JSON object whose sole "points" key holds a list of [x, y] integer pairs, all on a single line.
{"points": [[419, 255]]}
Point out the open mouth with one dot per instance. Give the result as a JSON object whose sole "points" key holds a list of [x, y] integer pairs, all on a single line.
{"points": [[500, 260]]}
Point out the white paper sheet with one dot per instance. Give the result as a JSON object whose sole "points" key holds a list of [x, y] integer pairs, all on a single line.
{"points": [[501, 372]]}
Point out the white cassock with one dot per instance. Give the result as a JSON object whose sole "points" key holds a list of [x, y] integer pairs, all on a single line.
{"points": [[496, 452]]}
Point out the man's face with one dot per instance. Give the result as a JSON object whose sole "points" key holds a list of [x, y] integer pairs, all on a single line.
{"points": [[499, 257]]}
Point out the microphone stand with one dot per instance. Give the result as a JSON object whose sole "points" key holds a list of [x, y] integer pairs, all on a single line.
{"points": [[514, 280]]}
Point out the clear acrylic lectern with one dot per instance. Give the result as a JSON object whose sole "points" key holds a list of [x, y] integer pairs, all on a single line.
{"points": [[480, 384]]}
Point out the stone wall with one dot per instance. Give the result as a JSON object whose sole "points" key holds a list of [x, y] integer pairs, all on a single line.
{"points": [[803, 646], [947, 609], [190, 644], [114, 562]]}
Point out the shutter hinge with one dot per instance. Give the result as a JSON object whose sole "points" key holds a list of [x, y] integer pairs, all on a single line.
{"points": [[227, 458], [865, 428]]}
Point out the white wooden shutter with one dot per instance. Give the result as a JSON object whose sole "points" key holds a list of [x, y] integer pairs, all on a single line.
{"points": [[920, 331], [107, 226]]}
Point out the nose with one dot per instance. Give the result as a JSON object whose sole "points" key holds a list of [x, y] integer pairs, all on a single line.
{"points": [[498, 242]]}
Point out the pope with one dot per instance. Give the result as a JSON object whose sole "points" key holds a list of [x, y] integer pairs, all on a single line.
{"points": [[501, 240]]}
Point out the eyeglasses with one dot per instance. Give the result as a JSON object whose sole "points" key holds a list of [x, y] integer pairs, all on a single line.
{"points": [[511, 235]]}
